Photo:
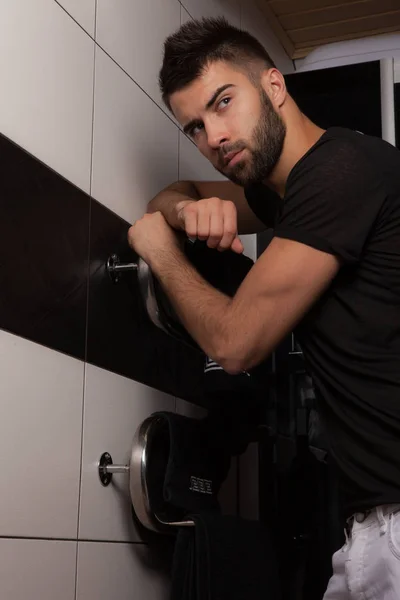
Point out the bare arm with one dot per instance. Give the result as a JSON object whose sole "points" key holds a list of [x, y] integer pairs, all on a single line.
{"points": [[240, 332], [171, 200]]}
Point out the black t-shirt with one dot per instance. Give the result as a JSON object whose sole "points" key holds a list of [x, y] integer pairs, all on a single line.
{"points": [[343, 197]]}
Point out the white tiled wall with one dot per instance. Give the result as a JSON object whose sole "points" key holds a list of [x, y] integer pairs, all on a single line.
{"points": [[397, 70], [37, 569], [83, 11], [133, 33], [214, 8], [114, 408], [185, 16], [123, 571], [254, 21], [59, 97], [46, 67], [135, 145], [41, 395]]}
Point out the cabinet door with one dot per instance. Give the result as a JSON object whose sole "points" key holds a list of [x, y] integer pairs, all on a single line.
{"points": [[347, 96]]}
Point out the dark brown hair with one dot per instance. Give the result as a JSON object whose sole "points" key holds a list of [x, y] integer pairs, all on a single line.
{"points": [[196, 44]]}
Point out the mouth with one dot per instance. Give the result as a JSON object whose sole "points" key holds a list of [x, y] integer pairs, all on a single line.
{"points": [[233, 157]]}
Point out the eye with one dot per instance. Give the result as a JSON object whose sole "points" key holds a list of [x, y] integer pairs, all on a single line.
{"points": [[224, 102], [195, 130]]}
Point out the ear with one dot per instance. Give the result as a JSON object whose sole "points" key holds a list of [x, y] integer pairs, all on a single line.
{"points": [[273, 83]]}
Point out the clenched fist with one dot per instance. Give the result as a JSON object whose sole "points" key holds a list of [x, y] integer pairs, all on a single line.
{"points": [[151, 236], [211, 219]]}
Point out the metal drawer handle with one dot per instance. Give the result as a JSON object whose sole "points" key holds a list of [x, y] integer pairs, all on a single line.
{"points": [[107, 469], [115, 267], [136, 469]]}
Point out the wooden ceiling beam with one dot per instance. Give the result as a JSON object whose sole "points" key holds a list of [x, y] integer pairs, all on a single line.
{"points": [[302, 50], [276, 27]]}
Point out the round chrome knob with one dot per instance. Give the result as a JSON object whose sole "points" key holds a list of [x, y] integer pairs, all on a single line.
{"points": [[115, 267], [107, 469]]}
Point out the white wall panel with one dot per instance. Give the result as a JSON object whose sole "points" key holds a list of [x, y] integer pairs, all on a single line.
{"points": [[135, 152], [41, 394], [255, 22], [230, 9], [397, 70], [119, 571], [114, 408], [46, 74], [133, 33], [193, 166], [37, 569], [83, 11], [184, 15]]}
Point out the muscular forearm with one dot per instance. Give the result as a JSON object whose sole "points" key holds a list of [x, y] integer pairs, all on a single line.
{"points": [[204, 311], [171, 200]]}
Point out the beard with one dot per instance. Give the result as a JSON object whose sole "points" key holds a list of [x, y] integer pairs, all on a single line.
{"points": [[267, 144]]}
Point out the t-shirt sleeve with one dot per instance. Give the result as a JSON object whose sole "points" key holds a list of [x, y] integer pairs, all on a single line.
{"points": [[333, 200], [263, 202]]}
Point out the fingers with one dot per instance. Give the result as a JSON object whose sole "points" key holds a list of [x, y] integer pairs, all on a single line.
{"points": [[214, 220], [189, 217], [204, 222], [229, 226], [237, 246], [216, 226]]}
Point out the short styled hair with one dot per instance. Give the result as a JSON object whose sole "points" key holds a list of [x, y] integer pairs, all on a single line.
{"points": [[197, 44]]}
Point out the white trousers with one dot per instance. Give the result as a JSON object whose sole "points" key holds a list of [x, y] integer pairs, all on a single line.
{"points": [[368, 565]]}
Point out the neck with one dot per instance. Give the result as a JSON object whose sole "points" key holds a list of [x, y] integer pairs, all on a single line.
{"points": [[301, 135]]}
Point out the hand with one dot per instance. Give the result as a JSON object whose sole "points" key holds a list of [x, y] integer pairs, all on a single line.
{"points": [[151, 236], [211, 219]]}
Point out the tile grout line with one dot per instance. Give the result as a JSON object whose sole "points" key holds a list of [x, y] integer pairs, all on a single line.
{"points": [[71, 540], [93, 38], [138, 85], [76, 570], [87, 314], [184, 7], [73, 18], [97, 45]]}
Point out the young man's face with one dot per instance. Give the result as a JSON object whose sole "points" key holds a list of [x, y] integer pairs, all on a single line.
{"points": [[232, 122]]}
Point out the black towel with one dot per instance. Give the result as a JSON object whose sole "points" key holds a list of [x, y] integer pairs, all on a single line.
{"points": [[187, 465], [236, 404], [224, 558], [220, 557]]}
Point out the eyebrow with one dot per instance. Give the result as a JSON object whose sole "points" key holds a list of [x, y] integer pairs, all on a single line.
{"points": [[217, 93], [209, 104]]}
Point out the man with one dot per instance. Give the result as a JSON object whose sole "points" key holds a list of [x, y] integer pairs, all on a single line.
{"points": [[331, 271]]}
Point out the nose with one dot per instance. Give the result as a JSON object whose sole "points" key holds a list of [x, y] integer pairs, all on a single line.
{"points": [[216, 137]]}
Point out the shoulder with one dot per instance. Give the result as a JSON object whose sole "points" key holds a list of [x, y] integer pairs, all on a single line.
{"points": [[338, 162]]}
